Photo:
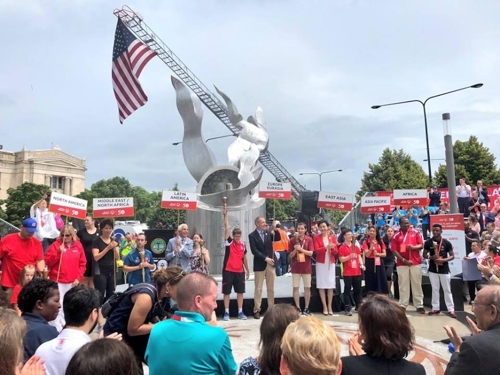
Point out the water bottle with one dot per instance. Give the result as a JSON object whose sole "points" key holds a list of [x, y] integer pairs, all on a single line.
{"points": [[425, 267], [451, 348]]}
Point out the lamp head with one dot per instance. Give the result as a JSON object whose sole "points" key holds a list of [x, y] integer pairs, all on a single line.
{"points": [[376, 106], [476, 86]]}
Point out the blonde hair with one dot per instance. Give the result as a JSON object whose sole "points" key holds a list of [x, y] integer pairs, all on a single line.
{"points": [[311, 347], [12, 331], [70, 230], [22, 276]]}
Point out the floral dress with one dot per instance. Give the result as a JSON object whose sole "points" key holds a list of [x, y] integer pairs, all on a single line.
{"points": [[197, 264], [249, 366]]}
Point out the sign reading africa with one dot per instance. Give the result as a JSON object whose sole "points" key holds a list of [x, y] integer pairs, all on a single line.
{"points": [[370, 205], [335, 201], [417, 197], [275, 190], [113, 207], [68, 206], [178, 200]]}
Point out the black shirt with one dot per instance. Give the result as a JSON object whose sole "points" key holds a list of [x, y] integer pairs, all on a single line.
{"points": [[443, 247], [87, 239], [106, 262], [468, 245]]}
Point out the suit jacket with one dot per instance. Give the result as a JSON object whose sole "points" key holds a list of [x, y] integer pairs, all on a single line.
{"points": [[364, 364], [262, 250], [320, 249], [478, 354], [184, 255]]}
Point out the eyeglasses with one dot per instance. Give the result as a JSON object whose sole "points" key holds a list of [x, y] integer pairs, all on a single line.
{"points": [[66, 235]]}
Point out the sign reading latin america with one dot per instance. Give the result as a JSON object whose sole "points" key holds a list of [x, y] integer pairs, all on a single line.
{"points": [[178, 200]]}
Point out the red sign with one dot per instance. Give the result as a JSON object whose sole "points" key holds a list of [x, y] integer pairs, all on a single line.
{"points": [[370, 205], [335, 201], [113, 207], [68, 206], [449, 221], [177, 200], [493, 194], [275, 190], [445, 195], [411, 197]]}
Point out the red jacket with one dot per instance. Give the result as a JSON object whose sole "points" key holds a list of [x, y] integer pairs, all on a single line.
{"points": [[320, 249], [73, 262]]}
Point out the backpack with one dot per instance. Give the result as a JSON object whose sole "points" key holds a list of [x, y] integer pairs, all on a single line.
{"points": [[112, 303]]}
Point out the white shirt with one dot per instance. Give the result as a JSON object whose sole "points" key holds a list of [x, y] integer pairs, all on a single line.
{"points": [[463, 192], [58, 352]]}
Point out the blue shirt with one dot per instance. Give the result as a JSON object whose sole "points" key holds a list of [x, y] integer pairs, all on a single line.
{"points": [[132, 260], [38, 331], [186, 344], [413, 216], [184, 255]]}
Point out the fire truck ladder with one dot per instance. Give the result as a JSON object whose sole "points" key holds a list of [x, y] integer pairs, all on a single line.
{"points": [[135, 23]]}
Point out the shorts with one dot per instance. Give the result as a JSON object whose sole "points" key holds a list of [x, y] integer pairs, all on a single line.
{"points": [[389, 270], [233, 279], [306, 279]]}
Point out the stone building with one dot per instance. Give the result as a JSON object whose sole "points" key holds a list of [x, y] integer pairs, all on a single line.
{"points": [[64, 173]]}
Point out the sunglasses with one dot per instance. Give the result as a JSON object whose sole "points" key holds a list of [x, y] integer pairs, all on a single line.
{"points": [[66, 235]]}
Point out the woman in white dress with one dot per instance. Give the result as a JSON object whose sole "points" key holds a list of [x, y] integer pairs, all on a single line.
{"points": [[325, 247]]}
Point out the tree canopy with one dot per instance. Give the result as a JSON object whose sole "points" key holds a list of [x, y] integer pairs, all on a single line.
{"points": [[284, 210], [394, 170], [20, 200], [473, 161]]}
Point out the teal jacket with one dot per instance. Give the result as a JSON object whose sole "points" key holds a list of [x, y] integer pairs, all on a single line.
{"points": [[186, 344]]}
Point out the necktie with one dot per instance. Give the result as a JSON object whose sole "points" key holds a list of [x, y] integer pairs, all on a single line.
{"points": [[262, 235]]}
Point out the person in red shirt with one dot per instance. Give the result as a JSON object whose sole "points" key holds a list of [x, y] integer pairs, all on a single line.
{"points": [[374, 249], [301, 249], [17, 250], [406, 245], [27, 274], [352, 262], [233, 274], [67, 264]]}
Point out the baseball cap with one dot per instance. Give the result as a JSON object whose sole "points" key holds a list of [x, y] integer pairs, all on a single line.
{"points": [[30, 225], [434, 187], [277, 222]]}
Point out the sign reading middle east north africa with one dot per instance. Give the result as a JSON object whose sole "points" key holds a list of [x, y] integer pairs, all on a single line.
{"points": [[178, 200], [335, 201], [68, 206], [415, 197], [113, 207], [275, 190]]}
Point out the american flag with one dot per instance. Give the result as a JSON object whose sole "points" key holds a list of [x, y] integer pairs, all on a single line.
{"points": [[130, 56]]}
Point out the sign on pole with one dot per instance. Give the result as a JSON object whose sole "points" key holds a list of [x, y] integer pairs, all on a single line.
{"points": [[414, 197], [178, 200], [371, 205], [68, 206], [454, 231], [335, 201], [113, 207], [275, 190]]}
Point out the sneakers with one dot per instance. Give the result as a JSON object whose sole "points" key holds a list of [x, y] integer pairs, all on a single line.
{"points": [[433, 312], [421, 310], [242, 316], [348, 313], [226, 316], [306, 312], [299, 310], [452, 314]]}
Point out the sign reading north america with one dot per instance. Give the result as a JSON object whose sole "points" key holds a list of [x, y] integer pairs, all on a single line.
{"points": [[178, 200], [335, 201], [113, 207], [275, 190], [68, 206]]}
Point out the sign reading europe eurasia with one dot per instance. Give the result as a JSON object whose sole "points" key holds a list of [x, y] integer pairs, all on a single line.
{"points": [[275, 190], [178, 200], [335, 201], [113, 207], [417, 197], [68, 206], [370, 205]]}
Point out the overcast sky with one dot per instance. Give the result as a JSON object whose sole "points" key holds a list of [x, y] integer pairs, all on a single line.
{"points": [[315, 67]]}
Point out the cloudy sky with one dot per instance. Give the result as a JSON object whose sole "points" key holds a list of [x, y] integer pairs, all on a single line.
{"points": [[315, 67]]}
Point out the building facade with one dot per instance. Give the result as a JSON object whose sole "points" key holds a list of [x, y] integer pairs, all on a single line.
{"points": [[64, 173]]}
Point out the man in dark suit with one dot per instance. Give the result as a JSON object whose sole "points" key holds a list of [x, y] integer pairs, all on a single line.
{"points": [[261, 245], [479, 353]]}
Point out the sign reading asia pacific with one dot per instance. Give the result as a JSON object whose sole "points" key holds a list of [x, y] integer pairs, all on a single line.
{"points": [[113, 207], [178, 200], [370, 205], [68, 206], [335, 201], [275, 190]]}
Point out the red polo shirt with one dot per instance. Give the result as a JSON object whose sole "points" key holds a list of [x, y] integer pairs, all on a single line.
{"points": [[305, 267], [351, 266], [400, 243], [378, 249]]}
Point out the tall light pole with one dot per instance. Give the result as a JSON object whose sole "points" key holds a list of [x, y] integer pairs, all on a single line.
{"points": [[476, 86], [320, 174], [209, 139]]}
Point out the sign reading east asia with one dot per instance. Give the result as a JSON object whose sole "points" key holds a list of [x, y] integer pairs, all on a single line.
{"points": [[113, 207], [370, 205], [335, 201], [68, 206], [178, 200], [411, 197], [275, 190]]}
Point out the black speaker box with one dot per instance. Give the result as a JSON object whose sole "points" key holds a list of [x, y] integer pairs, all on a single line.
{"points": [[308, 203]]}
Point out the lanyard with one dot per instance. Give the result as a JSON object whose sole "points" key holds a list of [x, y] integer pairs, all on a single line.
{"points": [[439, 247]]}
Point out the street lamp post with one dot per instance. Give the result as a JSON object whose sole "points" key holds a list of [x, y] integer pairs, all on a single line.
{"points": [[209, 139], [476, 86], [320, 174]]}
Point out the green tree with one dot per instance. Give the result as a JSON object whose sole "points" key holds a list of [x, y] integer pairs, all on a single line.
{"points": [[395, 170], [284, 209], [20, 200], [165, 217], [473, 161]]}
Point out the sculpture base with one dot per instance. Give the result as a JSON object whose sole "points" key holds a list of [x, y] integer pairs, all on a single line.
{"points": [[210, 224]]}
